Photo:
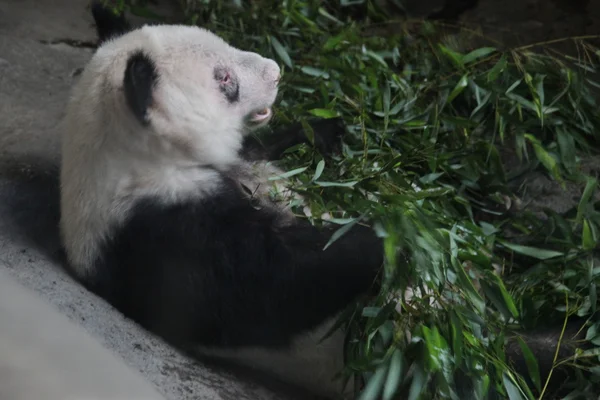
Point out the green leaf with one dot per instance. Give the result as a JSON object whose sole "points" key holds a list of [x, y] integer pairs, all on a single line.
{"points": [[508, 300], [418, 383], [430, 178], [540, 254], [319, 73], [590, 187], [532, 364], [323, 113], [484, 102], [341, 232], [522, 101], [491, 293], [539, 88], [457, 337], [340, 221], [467, 284], [497, 69], [371, 312], [303, 89], [376, 57], [288, 174], [308, 131], [339, 184], [593, 331], [588, 240], [319, 170], [513, 86], [281, 51], [498, 294], [512, 390], [386, 103], [460, 86], [434, 345], [477, 54], [333, 42], [375, 384], [327, 15], [566, 145], [455, 57], [546, 159], [394, 376]]}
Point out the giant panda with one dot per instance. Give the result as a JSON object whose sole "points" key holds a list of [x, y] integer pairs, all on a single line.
{"points": [[167, 213]]}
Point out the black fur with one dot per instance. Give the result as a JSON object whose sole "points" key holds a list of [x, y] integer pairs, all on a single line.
{"points": [[138, 83], [231, 90], [220, 272], [108, 24]]}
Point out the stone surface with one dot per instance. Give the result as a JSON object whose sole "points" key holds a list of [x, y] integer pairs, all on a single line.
{"points": [[43, 356], [523, 22], [530, 21]]}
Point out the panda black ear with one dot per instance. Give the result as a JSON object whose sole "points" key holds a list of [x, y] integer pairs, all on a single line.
{"points": [[139, 81], [108, 24]]}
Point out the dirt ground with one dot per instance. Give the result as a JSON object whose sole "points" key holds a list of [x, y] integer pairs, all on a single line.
{"points": [[518, 22], [528, 21]]}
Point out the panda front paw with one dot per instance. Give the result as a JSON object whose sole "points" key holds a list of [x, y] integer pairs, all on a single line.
{"points": [[328, 134]]}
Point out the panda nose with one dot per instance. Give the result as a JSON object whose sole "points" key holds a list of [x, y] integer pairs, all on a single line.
{"points": [[272, 72]]}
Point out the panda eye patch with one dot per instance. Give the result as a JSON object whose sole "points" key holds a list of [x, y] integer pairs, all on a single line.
{"points": [[228, 83]]}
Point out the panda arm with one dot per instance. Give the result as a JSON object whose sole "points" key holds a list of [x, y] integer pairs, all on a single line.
{"points": [[327, 134], [222, 273]]}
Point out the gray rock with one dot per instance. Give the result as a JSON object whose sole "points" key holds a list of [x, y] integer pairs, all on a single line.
{"points": [[44, 356]]}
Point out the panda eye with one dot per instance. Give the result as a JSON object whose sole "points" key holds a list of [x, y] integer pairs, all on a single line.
{"points": [[228, 83]]}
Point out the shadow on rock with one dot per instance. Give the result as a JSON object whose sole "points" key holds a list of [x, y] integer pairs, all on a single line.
{"points": [[30, 205]]}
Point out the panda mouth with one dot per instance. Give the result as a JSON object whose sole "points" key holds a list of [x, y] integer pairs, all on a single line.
{"points": [[261, 116]]}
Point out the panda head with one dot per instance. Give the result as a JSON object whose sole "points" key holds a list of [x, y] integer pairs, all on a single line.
{"points": [[172, 90], [156, 112]]}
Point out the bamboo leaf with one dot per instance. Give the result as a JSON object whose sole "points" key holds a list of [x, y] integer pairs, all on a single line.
{"points": [[319, 170], [339, 184], [589, 242], [288, 174], [532, 364], [455, 57], [590, 187], [513, 391], [540, 254], [394, 377], [460, 86], [340, 232], [375, 384], [323, 113], [498, 68], [281, 51], [477, 54]]}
